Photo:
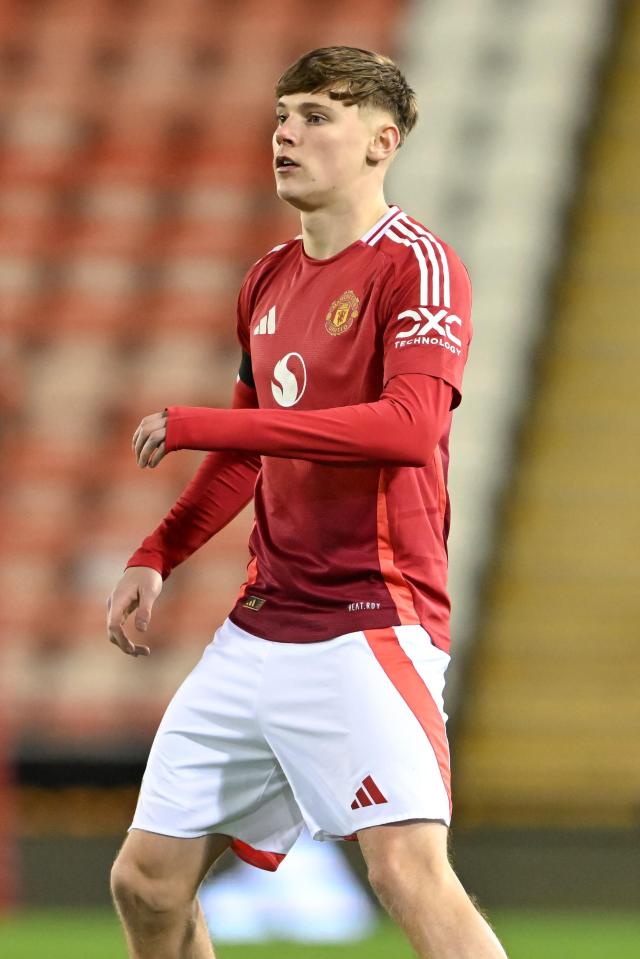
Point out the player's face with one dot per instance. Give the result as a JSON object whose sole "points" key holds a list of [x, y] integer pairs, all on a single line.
{"points": [[321, 148]]}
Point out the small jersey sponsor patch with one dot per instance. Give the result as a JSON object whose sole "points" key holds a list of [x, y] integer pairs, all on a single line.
{"points": [[254, 602]]}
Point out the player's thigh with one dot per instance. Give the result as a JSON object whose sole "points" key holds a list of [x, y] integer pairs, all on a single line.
{"points": [[402, 851], [164, 869]]}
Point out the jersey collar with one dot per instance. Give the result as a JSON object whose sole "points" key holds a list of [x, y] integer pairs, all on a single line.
{"points": [[380, 224]]}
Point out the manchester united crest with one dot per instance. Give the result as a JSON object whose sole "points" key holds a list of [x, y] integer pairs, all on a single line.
{"points": [[342, 313]]}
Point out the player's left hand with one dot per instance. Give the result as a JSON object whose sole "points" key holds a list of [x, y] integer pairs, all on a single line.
{"points": [[149, 440]]}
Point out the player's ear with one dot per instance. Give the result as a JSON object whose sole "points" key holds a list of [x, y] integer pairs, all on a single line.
{"points": [[384, 142]]}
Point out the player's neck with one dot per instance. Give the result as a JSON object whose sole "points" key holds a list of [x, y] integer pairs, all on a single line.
{"points": [[329, 231]]}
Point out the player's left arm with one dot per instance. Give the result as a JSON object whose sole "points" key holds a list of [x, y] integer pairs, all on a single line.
{"points": [[402, 428]]}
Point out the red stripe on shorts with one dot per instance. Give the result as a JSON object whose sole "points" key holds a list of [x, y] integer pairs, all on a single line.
{"points": [[362, 796], [405, 677], [257, 857]]}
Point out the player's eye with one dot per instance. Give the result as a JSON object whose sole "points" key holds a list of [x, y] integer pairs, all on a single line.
{"points": [[315, 118], [281, 118]]}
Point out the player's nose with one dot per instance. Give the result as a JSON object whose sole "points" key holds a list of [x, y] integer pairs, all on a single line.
{"points": [[285, 133]]}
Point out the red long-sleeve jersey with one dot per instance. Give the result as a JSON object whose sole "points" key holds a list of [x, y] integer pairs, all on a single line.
{"points": [[357, 363]]}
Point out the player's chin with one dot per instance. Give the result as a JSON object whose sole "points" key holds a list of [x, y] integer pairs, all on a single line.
{"points": [[286, 191], [300, 199]]}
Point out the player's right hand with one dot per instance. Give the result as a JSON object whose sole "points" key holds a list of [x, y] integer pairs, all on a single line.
{"points": [[138, 589]]}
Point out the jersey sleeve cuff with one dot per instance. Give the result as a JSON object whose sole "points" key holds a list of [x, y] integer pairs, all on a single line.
{"points": [[150, 559]]}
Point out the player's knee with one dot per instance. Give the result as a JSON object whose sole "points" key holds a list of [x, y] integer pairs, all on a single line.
{"points": [[388, 874], [393, 879], [141, 895]]}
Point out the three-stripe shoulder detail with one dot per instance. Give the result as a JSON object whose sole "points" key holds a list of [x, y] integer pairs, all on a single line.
{"points": [[435, 278]]}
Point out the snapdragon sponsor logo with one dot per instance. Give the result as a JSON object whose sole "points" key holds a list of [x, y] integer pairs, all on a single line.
{"points": [[430, 328], [290, 376]]}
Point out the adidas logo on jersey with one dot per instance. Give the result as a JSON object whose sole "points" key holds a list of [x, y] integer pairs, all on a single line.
{"points": [[266, 324], [436, 331]]}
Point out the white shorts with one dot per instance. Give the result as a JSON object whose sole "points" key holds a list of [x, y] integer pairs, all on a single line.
{"points": [[262, 737]]}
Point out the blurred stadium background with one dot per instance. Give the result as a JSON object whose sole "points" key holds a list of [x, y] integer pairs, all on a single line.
{"points": [[136, 189]]}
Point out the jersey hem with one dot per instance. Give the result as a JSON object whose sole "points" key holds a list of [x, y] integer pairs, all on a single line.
{"points": [[358, 627], [436, 641]]}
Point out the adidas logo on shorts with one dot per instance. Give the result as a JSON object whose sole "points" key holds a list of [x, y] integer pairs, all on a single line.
{"points": [[368, 795]]}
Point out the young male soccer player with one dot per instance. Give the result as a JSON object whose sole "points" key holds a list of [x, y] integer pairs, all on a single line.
{"points": [[319, 699]]}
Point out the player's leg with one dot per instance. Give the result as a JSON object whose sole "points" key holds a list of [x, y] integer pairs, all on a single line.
{"points": [[410, 872], [211, 782], [154, 883], [360, 733]]}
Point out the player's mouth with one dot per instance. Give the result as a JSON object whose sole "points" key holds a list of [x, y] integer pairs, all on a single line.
{"points": [[285, 164]]}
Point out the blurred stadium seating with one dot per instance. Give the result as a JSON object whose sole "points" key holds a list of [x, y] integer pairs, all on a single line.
{"points": [[137, 189], [551, 715]]}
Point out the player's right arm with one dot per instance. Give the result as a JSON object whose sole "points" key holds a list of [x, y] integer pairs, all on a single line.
{"points": [[221, 487]]}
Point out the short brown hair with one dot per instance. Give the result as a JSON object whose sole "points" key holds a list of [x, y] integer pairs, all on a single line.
{"points": [[359, 76]]}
